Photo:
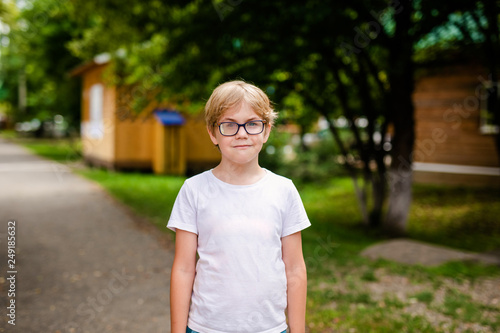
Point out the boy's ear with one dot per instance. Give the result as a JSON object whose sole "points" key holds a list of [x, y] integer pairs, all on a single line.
{"points": [[212, 136], [267, 132]]}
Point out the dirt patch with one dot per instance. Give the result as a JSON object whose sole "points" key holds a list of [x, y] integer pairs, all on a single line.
{"points": [[413, 252]]}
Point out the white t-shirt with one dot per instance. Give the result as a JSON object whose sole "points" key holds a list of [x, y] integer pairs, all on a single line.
{"points": [[240, 283]]}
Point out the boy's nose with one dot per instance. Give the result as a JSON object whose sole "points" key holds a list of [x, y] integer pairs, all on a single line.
{"points": [[241, 132]]}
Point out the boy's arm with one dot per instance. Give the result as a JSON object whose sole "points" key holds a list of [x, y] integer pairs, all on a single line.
{"points": [[182, 278], [296, 276]]}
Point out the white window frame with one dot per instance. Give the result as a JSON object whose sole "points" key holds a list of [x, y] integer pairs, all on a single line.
{"points": [[94, 128]]}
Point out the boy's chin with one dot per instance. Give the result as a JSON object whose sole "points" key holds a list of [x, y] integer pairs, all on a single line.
{"points": [[241, 160]]}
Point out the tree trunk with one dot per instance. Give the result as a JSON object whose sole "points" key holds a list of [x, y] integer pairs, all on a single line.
{"points": [[402, 113], [360, 192], [400, 196], [378, 195], [492, 51], [370, 152], [22, 92]]}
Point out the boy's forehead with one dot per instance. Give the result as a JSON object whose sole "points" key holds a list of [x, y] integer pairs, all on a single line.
{"points": [[242, 110]]}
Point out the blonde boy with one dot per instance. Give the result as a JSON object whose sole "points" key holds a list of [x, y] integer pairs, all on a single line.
{"points": [[245, 224]]}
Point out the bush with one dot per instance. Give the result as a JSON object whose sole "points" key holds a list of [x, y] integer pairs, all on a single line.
{"points": [[316, 164]]}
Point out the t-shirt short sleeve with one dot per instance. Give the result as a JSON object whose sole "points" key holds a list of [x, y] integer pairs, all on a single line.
{"points": [[295, 218], [183, 214]]}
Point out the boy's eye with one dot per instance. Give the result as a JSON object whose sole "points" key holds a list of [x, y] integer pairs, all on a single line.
{"points": [[253, 124], [230, 125]]}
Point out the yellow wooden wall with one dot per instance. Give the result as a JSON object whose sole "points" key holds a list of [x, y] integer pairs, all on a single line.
{"points": [[200, 149], [447, 119], [134, 142]]}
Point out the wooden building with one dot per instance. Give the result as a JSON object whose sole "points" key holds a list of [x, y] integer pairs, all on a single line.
{"points": [[158, 138], [455, 137]]}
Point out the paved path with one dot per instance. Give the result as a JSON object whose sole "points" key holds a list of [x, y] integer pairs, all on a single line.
{"points": [[83, 262]]}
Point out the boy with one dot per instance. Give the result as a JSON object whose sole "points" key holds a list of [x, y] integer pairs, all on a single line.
{"points": [[245, 224]]}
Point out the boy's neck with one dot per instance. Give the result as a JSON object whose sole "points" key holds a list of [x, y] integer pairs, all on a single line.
{"points": [[239, 174]]}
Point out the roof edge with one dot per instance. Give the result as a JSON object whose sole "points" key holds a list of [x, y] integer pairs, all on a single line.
{"points": [[98, 60]]}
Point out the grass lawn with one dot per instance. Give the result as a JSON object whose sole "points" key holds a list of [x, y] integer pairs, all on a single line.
{"points": [[348, 293], [61, 150], [149, 195]]}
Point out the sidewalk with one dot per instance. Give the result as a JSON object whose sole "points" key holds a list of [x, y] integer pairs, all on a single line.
{"points": [[83, 263]]}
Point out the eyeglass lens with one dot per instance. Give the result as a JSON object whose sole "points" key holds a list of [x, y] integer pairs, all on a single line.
{"points": [[251, 127]]}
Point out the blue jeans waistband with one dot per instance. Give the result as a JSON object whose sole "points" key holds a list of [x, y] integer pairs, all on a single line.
{"points": [[188, 330]]}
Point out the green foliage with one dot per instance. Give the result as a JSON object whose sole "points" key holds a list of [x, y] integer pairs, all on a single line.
{"points": [[317, 163], [38, 33], [148, 195], [469, 270], [369, 276], [61, 150], [65, 150], [457, 304], [424, 296], [172, 42], [8, 134], [456, 216], [272, 155]]}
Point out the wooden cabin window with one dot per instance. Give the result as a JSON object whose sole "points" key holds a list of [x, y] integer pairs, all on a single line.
{"points": [[489, 106], [96, 126]]}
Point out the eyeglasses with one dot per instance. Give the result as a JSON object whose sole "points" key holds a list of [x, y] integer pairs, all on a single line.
{"points": [[252, 127]]}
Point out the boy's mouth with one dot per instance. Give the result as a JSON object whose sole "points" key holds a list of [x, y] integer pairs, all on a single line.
{"points": [[242, 146]]}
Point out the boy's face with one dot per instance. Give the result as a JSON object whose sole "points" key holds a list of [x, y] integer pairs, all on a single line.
{"points": [[241, 148]]}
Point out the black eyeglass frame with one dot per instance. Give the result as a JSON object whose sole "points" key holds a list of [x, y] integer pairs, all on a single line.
{"points": [[242, 125]]}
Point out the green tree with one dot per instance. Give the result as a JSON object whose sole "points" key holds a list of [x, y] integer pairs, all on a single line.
{"points": [[355, 59], [37, 60]]}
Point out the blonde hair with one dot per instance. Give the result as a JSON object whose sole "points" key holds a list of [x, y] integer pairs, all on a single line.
{"points": [[233, 93]]}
